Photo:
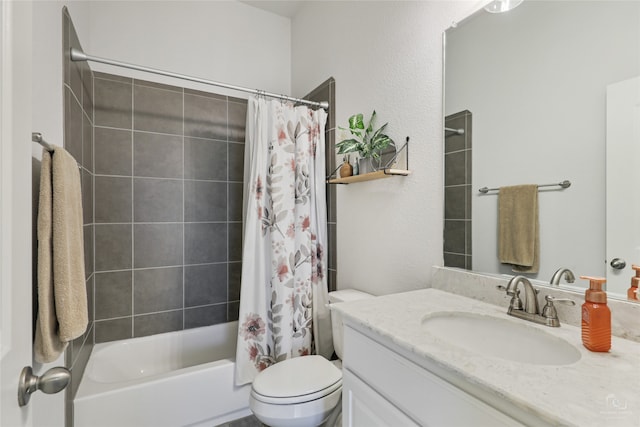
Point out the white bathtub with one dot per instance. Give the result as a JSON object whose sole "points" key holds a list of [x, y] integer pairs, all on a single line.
{"points": [[182, 378]]}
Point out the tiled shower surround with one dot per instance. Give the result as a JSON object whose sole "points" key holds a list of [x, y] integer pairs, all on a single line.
{"points": [[457, 191], [168, 207]]}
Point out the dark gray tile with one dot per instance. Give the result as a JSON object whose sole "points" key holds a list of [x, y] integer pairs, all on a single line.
{"points": [[205, 316], [205, 284], [205, 201], [206, 94], [113, 294], [90, 287], [87, 232], [157, 245], [87, 197], [235, 279], [157, 85], [113, 247], [73, 126], [234, 210], [332, 202], [87, 90], [237, 121], [75, 69], [205, 117], [112, 103], [454, 260], [205, 159], [454, 236], [455, 168], [236, 162], [468, 191], [113, 330], [332, 238], [113, 77], [157, 289], [87, 143], [112, 151], [157, 323], [250, 421], [468, 237], [157, 110], [469, 262], [205, 243], [235, 241], [157, 200], [233, 311], [112, 199], [455, 202], [157, 155], [453, 141], [332, 283], [330, 141]]}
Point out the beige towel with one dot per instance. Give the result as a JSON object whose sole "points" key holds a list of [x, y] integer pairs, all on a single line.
{"points": [[62, 295], [518, 228]]}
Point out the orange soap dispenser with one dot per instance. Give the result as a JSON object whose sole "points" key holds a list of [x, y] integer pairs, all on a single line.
{"points": [[596, 316], [632, 293]]}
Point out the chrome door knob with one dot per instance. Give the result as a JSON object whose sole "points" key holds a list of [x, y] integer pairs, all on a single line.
{"points": [[618, 263], [52, 381]]}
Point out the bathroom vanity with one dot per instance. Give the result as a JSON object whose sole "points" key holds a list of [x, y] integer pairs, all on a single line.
{"points": [[398, 371]]}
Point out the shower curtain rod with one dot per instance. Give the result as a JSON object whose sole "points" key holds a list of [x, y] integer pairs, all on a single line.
{"points": [[78, 55]]}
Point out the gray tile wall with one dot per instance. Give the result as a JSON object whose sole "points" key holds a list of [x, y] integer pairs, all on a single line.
{"points": [[457, 192], [327, 92], [168, 207], [78, 140]]}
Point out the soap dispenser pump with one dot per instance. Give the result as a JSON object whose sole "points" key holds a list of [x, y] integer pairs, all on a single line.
{"points": [[596, 317], [632, 293]]}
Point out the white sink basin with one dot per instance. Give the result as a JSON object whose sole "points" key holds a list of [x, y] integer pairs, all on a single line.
{"points": [[495, 337]]}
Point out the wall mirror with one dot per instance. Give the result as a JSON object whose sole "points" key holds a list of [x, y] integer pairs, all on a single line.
{"points": [[547, 92]]}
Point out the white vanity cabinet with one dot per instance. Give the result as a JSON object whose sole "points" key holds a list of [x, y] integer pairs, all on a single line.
{"points": [[383, 388]]}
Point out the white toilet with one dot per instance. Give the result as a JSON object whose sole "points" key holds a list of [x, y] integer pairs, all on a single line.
{"points": [[303, 391]]}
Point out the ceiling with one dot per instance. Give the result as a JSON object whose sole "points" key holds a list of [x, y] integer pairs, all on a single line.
{"points": [[286, 8]]}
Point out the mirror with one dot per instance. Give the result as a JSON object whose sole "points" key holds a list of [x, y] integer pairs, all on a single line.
{"points": [[528, 96]]}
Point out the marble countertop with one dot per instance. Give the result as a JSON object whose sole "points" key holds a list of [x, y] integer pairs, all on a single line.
{"points": [[601, 389]]}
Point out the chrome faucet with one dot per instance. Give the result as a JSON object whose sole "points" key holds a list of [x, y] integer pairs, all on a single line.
{"points": [[531, 311], [568, 276], [531, 299]]}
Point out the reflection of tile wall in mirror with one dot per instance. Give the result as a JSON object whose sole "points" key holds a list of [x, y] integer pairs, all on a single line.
{"points": [[457, 191]]}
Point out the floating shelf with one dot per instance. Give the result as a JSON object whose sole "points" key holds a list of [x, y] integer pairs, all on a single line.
{"points": [[384, 173]]}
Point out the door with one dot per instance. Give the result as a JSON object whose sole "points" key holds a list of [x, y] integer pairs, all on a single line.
{"points": [[623, 182], [15, 207]]}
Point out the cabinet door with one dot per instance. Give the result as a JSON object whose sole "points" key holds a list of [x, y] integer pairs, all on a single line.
{"points": [[363, 407]]}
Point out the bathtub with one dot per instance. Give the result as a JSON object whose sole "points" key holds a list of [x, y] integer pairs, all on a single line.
{"points": [[182, 378]]}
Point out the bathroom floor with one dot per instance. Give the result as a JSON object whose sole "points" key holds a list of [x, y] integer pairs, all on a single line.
{"points": [[250, 421]]}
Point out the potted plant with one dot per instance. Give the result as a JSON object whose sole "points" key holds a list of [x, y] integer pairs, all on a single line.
{"points": [[369, 143]]}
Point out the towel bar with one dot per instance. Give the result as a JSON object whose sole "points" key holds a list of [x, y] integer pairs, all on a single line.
{"points": [[563, 184]]}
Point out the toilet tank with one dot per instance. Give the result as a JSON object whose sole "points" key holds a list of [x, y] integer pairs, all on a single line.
{"points": [[344, 295]]}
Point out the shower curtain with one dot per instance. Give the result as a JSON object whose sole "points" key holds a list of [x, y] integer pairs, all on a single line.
{"points": [[283, 299]]}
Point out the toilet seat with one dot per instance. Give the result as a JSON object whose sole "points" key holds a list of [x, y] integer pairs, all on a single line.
{"points": [[297, 380]]}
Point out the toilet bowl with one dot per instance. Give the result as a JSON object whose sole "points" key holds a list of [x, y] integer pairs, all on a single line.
{"points": [[303, 391]]}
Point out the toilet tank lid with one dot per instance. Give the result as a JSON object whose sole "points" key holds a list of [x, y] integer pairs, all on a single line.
{"points": [[345, 295]]}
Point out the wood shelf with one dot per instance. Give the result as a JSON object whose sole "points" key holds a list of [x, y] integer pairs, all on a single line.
{"points": [[384, 173]]}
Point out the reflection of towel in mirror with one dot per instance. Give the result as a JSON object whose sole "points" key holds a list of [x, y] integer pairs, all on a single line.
{"points": [[62, 295], [518, 228]]}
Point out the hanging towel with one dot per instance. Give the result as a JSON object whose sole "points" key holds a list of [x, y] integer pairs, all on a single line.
{"points": [[62, 296], [518, 228]]}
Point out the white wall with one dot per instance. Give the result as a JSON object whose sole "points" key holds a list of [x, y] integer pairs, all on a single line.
{"points": [[385, 56], [538, 104], [224, 41]]}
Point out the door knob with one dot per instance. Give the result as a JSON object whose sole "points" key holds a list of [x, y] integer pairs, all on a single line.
{"points": [[618, 263], [52, 381]]}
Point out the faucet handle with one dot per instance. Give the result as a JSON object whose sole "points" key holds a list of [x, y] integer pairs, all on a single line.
{"points": [[549, 311]]}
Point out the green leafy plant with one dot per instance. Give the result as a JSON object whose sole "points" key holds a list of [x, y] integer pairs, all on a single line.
{"points": [[365, 140]]}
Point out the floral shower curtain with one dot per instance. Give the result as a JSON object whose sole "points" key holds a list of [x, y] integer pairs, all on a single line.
{"points": [[283, 300]]}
